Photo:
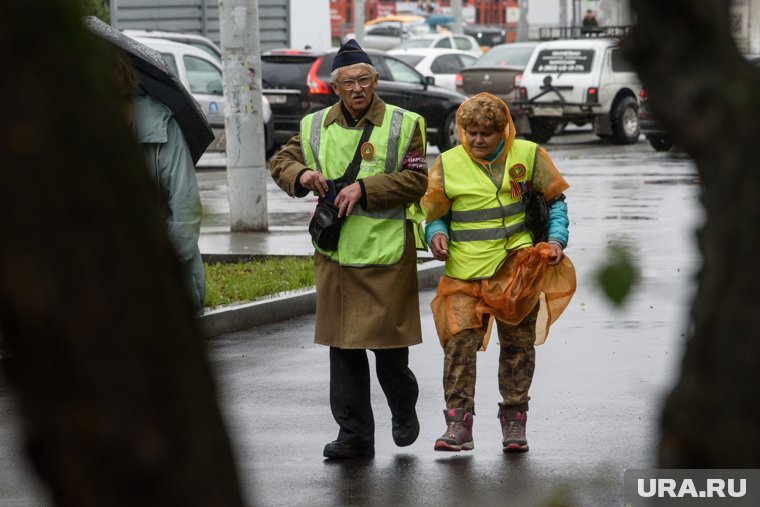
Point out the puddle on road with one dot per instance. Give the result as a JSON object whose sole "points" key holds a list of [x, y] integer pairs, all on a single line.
{"points": [[626, 217], [693, 180]]}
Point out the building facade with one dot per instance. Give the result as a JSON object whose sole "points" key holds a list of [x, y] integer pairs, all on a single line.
{"points": [[282, 23]]}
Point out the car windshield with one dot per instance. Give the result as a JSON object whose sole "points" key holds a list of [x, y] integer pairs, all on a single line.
{"points": [[402, 73], [171, 62], [279, 72], [505, 55], [412, 60], [415, 43]]}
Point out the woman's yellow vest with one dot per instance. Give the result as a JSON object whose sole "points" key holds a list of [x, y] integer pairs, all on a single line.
{"points": [[374, 238], [486, 222]]}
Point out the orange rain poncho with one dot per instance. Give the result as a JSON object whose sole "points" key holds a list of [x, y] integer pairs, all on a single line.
{"points": [[523, 280]]}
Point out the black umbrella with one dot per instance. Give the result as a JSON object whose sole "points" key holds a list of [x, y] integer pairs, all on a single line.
{"points": [[158, 81]]}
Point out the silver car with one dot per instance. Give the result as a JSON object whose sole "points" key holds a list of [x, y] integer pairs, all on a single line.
{"points": [[201, 74]]}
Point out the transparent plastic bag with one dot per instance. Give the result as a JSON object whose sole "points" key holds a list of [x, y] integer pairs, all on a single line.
{"points": [[524, 280]]}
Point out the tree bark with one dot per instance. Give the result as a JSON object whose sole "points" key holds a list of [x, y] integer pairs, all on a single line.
{"points": [[706, 95], [115, 392]]}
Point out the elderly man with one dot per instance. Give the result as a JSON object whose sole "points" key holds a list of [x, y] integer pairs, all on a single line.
{"points": [[366, 286]]}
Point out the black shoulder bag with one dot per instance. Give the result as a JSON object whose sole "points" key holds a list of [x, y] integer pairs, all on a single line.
{"points": [[325, 224], [536, 215]]}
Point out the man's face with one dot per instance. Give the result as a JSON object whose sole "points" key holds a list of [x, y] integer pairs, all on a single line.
{"points": [[355, 85]]}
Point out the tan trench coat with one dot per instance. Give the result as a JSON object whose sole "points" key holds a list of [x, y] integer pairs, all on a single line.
{"points": [[368, 307]]}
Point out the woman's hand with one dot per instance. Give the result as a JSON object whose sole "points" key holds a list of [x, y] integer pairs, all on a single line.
{"points": [[439, 246], [557, 254]]}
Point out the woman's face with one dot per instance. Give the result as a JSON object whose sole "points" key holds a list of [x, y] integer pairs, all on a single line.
{"points": [[481, 140]]}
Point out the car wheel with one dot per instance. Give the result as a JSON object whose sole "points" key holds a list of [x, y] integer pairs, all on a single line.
{"points": [[542, 129], [448, 136], [625, 122], [660, 143]]}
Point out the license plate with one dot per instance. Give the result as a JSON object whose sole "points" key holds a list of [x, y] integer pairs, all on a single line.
{"points": [[547, 111], [277, 99]]}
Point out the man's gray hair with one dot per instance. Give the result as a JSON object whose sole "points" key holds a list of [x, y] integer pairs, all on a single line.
{"points": [[370, 68]]}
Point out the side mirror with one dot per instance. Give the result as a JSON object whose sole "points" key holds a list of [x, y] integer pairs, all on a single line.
{"points": [[429, 81]]}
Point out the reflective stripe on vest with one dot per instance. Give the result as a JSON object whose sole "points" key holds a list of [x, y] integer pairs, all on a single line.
{"points": [[486, 222], [367, 238]]}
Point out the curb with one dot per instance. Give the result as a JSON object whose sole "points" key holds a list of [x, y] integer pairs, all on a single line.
{"points": [[287, 305]]}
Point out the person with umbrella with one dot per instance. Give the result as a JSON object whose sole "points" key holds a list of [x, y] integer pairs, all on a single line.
{"points": [[157, 108], [170, 167]]}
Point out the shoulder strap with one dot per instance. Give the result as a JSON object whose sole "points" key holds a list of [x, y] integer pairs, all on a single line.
{"points": [[353, 168]]}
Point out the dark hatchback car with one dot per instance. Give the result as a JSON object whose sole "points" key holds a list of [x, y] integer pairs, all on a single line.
{"points": [[652, 128], [487, 35], [297, 83]]}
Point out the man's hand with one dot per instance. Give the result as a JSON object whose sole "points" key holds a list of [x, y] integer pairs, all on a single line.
{"points": [[439, 246], [347, 199], [557, 254], [313, 180]]}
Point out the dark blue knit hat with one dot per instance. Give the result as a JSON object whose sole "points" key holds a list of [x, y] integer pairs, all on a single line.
{"points": [[350, 53]]}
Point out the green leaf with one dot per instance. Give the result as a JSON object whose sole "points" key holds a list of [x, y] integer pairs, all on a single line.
{"points": [[618, 275]]}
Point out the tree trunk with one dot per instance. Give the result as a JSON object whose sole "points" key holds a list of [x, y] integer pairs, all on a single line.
{"points": [[114, 389], [707, 96]]}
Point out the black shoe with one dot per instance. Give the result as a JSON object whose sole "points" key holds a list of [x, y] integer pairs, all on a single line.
{"points": [[344, 449], [406, 431]]}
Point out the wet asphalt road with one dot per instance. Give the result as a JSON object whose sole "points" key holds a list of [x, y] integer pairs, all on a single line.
{"points": [[597, 390]]}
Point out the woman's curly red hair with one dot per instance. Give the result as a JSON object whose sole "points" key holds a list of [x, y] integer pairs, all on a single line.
{"points": [[482, 111]]}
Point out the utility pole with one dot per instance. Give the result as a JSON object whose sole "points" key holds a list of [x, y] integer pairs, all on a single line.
{"points": [[522, 24], [113, 12], [359, 11], [576, 12], [456, 12], [241, 64]]}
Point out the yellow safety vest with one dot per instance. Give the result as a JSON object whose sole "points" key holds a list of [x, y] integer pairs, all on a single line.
{"points": [[367, 238], [486, 222]]}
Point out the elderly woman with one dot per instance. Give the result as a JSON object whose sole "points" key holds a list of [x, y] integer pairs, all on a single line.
{"points": [[496, 268]]}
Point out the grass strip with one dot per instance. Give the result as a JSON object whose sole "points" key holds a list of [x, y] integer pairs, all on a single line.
{"points": [[245, 281]]}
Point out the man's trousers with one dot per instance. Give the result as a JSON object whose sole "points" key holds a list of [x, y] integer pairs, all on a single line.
{"points": [[350, 389]]}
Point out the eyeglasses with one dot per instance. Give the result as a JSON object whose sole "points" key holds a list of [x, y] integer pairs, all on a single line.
{"points": [[349, 84]]}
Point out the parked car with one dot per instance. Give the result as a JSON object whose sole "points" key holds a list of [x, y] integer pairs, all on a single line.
{"points": [[443, 41], [498, 71], [297, 83], [384, 36], [651, 127], [197, 41], [487, 36], [416, 25], [388, 32], [201, 74], [584, 80], [440, 64]]}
